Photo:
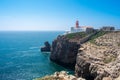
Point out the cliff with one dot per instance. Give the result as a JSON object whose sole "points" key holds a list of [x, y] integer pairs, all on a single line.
{"points": [[64, 52], [65, 48], [95, 56], [99, 59]]}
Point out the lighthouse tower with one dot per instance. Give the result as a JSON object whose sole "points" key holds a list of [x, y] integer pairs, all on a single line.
{"points": [[77, 24]]}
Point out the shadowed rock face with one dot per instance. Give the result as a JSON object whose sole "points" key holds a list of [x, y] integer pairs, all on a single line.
{"points": [[46, 48], [65, 48], [88, 69], [64, 52]]}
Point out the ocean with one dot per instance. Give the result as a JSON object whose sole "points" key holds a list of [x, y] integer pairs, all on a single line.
{"points": [[20, 56]]}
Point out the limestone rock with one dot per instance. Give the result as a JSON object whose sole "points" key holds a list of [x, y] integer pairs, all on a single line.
{"points": [[118, 78], [60, 76], [106, 78], [101, 60]]}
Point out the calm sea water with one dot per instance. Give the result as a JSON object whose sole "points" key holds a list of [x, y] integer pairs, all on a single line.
{"points": [[20, 56]]}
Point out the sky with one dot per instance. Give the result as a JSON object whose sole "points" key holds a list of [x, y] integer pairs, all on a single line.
{"points": [[20, 15]]}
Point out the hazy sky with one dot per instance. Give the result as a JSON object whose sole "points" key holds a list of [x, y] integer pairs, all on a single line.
{"points": [[58, 14]]}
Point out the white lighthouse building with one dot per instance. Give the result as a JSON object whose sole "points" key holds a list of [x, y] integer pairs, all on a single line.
{"points": [[78, 28]]}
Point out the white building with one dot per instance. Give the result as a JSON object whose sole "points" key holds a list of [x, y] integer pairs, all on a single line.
{"points": [[78, 29]]}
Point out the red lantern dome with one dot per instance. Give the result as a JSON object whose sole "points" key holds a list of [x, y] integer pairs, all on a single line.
{"points": [[77, 24]]}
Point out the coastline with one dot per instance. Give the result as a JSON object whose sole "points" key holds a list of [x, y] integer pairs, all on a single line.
{"points": [[83, 64]]}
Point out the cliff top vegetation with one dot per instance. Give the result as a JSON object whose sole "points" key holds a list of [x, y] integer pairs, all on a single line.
{"points": [[76, 35], [98, 34]]}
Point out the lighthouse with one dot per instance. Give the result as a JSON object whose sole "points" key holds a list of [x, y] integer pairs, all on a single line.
{"points": [[77, 24], [78, 28]]}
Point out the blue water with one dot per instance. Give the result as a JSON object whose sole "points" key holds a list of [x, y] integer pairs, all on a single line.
{"points": [[20, 56]]}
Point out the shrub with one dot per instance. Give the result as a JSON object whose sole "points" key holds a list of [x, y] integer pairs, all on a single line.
{"points": [[118, 44], [77, 34], [98, 34], [109, 59]]}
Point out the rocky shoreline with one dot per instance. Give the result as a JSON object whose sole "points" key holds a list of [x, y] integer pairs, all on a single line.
{"points": [[96, 58], [63, 75]]}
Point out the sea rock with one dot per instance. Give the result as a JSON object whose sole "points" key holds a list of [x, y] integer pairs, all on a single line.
{"points": [[46, 48], [64, 52]]}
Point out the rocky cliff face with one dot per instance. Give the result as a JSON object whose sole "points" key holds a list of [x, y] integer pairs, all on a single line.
{"points": [[64, 51], [96, 59], [99, 60]]}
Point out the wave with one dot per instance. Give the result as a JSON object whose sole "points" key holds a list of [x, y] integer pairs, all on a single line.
{"points": [[33, 47]]}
